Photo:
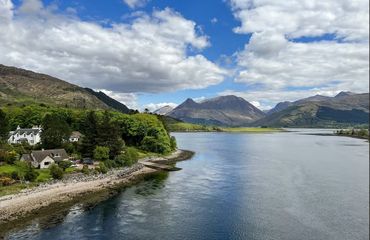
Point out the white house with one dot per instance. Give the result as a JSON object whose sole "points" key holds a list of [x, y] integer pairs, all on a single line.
{"points": [[30, 135], [44, 158], [75, 136]]}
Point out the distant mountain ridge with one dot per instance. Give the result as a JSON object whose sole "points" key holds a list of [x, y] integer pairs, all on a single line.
{"points": [[223, 111], [163, 110], [20, 86], [346, 108]]}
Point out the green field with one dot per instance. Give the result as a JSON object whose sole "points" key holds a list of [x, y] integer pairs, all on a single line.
{"points": [[190, 127], [251, 129]]}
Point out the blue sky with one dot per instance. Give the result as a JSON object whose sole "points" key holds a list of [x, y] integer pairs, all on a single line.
{"points": [[147, 53]]}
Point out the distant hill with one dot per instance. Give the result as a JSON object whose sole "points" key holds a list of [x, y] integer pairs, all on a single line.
{"points": [[20, 86], [222, 111], [346, 108], [163, 110], [110, 101]]}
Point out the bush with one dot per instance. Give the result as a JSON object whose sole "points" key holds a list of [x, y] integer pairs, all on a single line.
{"points": [[101, 153], [30, 174], [152, 144], [64, 164], [8, 156], [128, 158], [102, 168], [15, 175], [6, 181], [85, 169], [173, 143], [56, 172]]}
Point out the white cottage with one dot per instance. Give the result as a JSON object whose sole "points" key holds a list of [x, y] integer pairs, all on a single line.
{"points": [[44, 158], [30, 135]]}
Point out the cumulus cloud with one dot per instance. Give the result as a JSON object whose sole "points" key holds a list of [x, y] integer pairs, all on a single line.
{"points": [[129, 99], [136, 3], [149, 54], [347, 19], [272, 61], [279, 66], [154, 106]]}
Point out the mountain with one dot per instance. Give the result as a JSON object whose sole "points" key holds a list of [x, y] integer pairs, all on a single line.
{"points": [[20, 86], [222, 111], [163, 110], [109, 101], [320, 111]]}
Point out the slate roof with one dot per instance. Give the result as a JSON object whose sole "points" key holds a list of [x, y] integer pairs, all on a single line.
{"points": [[38, 156]]}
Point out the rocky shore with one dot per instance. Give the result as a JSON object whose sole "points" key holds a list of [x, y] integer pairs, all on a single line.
{"points": [[29, 201]]}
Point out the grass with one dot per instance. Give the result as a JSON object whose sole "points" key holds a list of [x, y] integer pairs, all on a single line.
{"points": [[44, 175], [15, 188], [8, 169], [251, 129], [71, 170], [190, 127]]}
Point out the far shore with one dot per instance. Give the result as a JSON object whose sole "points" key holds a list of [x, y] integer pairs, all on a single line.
{"points": [[30, 201]]}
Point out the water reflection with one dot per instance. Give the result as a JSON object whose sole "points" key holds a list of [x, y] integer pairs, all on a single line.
{"points": [[238, 186]]}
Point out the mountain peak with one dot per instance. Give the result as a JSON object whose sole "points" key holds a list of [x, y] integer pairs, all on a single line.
{"points": [[344, 94]]}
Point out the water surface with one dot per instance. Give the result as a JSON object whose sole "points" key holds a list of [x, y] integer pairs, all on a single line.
{"points": [[237, 186]]}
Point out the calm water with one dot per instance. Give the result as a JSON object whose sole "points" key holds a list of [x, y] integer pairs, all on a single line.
{"points": [[238, 186]]}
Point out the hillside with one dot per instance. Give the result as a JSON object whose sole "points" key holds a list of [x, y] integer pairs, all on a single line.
{"points": [[163, 110], [220, 111], [345, 109], [19, 86]]}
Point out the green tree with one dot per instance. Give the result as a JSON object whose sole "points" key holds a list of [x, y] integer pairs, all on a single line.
{"points": [[173, 143], [89, 128], [109, 135], [56, 172], [55, 131], [4, 126], [101, 153]]}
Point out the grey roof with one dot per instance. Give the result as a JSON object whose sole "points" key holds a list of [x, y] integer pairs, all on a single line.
{"points": [[76, 134], [27, 131], [38, 156]]}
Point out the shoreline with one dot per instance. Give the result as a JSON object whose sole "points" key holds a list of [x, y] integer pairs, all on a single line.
{"points": [[34, 200]]}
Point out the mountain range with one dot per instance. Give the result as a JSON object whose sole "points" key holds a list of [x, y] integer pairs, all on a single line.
{"points": [[345, 109], [222, 111], [19, 86], [22, 87]]}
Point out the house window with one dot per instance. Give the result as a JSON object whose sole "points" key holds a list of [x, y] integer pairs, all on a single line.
{"points": [[46, 163]]}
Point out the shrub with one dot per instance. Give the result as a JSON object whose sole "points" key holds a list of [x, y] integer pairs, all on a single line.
{"points": [[173, 143], [56, 172], [15, 175], [101, 153], [85, 169], [6, 181], [128, 158], [152, 144], [102, 168], [30, 174], [64, 164]]}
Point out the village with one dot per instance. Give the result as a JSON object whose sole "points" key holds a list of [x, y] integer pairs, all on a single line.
{"points": [[55, 149]]}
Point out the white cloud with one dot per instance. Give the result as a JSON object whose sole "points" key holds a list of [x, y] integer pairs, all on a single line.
{"points": [[150, 54], [129, 99], [136, 3], [276, 67], [348, 19], [275, 63], [154, 106], [214, 20]]}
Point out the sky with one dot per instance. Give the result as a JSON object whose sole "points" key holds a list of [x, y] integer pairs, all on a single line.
{"points": [[151, 53]]}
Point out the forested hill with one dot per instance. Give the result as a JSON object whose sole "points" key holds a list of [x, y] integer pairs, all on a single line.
{"points": [[19, 86]]}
